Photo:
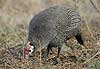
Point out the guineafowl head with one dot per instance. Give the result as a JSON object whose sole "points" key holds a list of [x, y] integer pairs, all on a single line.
{"points": [[30, 48]]}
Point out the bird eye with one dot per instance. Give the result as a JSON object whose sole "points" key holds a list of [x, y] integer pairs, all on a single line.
{"points": [[29, 50]]}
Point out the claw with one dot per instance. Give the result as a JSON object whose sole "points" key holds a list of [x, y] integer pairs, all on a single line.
{"points": [[56, 61]]}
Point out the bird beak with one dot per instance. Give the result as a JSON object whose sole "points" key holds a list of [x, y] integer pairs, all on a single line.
{"points": [[26, 50]]}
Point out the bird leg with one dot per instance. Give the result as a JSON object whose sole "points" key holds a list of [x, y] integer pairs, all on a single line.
{"points": [[57, 60], [47, 52]]}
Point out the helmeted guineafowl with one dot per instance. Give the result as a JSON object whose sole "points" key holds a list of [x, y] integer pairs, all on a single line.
{"points": [[53, 26]]}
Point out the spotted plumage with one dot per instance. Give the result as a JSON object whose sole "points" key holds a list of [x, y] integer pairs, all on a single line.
{"points": [[53, 26]]}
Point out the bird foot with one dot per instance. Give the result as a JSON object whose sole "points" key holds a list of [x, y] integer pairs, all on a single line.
{"points": [[56, 61]]}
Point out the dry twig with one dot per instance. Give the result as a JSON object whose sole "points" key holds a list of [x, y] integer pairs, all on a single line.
{"points": [[95, 6], [91, 57]]}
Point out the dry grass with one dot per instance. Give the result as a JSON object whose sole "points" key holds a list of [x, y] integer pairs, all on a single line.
{"points": [[14, 18]]}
